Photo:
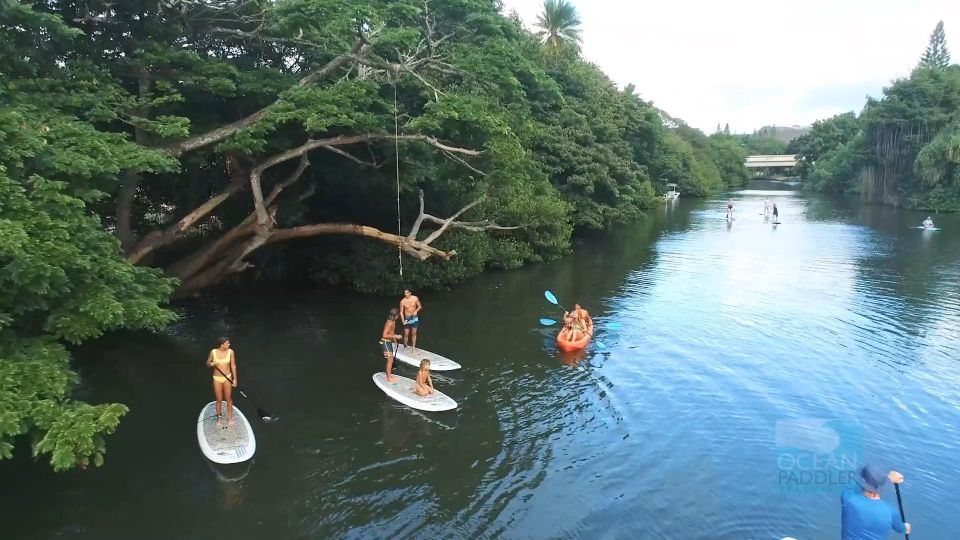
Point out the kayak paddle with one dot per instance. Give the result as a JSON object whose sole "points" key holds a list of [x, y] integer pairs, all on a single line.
{"points": [[608, 326], [903, 518], [261, 412]]}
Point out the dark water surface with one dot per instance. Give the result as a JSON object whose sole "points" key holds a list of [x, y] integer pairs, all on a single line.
{"points": [[729, 334]]}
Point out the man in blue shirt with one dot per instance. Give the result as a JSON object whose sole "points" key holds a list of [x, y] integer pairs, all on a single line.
{"points": [[865, 516]]}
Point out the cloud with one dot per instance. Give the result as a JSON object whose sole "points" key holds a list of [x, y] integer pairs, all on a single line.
{"points": [[752, 63]]}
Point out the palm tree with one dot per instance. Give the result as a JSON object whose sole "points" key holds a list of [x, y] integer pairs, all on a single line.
{"points": [[559, 24]]}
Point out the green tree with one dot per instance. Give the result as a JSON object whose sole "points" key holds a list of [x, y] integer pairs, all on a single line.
{"points": [[559, 24], [824, 137], [763, 145], [936, 56], [64, 277], [728, 155]]}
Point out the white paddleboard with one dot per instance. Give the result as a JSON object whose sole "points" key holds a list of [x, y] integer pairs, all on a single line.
{"points": [[437, 362], [225, 444], [928, 228], [401, 389]]}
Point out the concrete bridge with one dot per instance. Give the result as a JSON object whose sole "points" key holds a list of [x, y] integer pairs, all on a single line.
{"points": [[785, 161]]}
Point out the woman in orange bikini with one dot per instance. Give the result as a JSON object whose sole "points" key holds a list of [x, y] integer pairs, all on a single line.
{"points": [[224, 364]]}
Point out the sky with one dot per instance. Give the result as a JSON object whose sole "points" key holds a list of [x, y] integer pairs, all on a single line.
{"points": [[752, 63]]}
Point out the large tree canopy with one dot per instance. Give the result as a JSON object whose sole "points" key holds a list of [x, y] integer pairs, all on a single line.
{"points": [[902, 148], [155, 148]]}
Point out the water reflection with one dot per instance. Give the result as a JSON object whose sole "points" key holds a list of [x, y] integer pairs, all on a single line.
{"points": [[841, 312]]}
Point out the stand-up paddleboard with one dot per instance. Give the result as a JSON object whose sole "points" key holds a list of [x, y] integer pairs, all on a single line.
{"points": [[927, 228], [437, 362], [775, 222], [225, 444], [401, 389]]}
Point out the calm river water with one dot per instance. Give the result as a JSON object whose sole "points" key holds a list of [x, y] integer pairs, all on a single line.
{"points": [[746, 354]]}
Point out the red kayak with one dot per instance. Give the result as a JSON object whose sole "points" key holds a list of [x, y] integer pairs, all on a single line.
{"points": [[564, 343]]}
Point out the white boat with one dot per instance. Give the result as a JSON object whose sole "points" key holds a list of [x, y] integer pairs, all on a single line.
{"points": [[672, 192]]}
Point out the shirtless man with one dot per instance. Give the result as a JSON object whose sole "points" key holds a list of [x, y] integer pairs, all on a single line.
{"points": [[579, 321], [410, 315]]}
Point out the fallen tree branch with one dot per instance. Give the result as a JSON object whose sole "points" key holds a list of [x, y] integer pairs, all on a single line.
{"points": [[473, 225], [446, 223], [415, 228], [420, 250]]}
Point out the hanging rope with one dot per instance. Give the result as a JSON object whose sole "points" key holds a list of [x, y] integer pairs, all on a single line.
{"points": [[396, 151]]}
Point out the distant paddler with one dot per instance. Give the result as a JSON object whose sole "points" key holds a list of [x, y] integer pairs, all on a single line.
{"points": [[730, 209], [410, 315], [928, 223]]}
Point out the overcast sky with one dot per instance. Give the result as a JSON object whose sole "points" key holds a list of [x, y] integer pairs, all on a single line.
{"points": [[757, 62]]}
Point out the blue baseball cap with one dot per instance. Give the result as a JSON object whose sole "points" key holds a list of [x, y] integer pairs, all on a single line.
{"points": [[872, 478]]}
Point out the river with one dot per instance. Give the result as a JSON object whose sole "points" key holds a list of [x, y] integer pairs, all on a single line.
{"points": [[735, 353]]}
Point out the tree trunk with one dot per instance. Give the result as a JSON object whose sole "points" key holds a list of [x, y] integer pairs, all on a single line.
{"points": [[131, 179]]}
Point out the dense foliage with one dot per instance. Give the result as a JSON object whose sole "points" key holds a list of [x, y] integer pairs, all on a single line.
{"points": [[903, 149], [150, 148]]}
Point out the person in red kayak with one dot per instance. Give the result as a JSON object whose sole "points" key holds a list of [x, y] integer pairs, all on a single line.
{"points": [[578, 322]]}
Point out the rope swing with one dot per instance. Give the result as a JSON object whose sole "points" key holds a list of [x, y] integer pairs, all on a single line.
{"points": [[396, 151]]}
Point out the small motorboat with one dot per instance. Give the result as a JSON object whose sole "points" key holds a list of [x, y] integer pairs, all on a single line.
{"points": [[672, 193]]}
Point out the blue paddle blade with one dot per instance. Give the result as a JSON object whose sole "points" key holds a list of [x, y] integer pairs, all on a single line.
{"points": [[551, 298], [613, 326], [600, 344], [548, 322]]}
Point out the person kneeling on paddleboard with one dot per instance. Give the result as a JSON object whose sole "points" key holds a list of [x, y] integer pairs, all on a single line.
{"points": [[388, 340], [928, 223], [423, 386], [865, 515], [224, 364]]}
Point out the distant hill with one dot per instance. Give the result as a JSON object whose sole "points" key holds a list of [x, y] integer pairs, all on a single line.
{"points": [[782, 133]]}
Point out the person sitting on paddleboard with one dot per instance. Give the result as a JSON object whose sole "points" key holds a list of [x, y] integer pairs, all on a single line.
{"points": [[928, 223], [224, 364], [423, 386], [865, 516], [579, 323], [410, 314], [729, 208], [388, 340]]}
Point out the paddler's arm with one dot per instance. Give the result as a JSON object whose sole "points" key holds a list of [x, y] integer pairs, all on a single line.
{"points": [[210, 359], [233, 366], [896, 523]]}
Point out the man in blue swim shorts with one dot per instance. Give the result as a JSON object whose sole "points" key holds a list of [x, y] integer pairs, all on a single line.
{"points": [[410, 315]]}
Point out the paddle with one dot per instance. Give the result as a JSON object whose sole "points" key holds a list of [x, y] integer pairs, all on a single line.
{"points": [[261, 412], [903, 518], [553, 300], [609, 326]]}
